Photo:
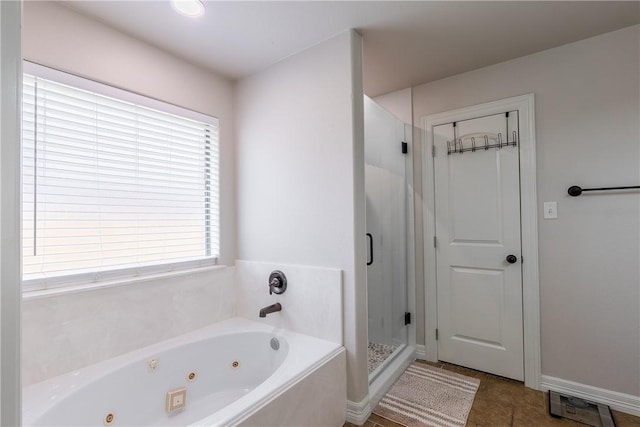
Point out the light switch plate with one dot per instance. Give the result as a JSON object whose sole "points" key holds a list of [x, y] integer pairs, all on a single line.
{"points": [[176, 399], [550, 210]]}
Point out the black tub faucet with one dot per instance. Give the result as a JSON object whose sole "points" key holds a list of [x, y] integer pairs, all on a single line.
{"points": [[270, 309]]}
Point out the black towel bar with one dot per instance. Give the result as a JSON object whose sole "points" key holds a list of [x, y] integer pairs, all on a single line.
{"points": [[575, 190]]}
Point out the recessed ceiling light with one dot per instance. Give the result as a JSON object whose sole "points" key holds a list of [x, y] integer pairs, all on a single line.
{"points": [[190, 8]]}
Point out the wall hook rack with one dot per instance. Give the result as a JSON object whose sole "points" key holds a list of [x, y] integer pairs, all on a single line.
{"points": [[457, 145]]}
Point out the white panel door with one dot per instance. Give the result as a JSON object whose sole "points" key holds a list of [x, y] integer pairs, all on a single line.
{"points": [[477, 227]]}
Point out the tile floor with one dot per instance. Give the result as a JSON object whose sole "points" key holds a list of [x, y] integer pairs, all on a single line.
{"points": [[502, 402]]}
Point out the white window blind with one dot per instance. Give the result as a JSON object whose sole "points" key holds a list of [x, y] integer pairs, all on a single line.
{"points": [[112, 187]]}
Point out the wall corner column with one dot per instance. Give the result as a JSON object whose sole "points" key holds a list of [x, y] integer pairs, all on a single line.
{"points": [[358, 378], [10, 295]]}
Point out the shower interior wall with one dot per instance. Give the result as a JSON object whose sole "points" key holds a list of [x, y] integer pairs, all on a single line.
{"points": [[386, 210]]}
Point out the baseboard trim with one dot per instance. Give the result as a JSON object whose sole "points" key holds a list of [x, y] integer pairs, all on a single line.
{"points": [[358, 412], [421, 352], [619, 401]]}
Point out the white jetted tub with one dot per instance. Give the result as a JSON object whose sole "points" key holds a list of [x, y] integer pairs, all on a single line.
{"points": [[230, 373]]}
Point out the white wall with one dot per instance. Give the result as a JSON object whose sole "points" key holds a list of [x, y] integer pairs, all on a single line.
{"points": [[398, 103], [311, 305], [587, 114], [66, 332], [300, 166], [60, 38], [10, 78]]}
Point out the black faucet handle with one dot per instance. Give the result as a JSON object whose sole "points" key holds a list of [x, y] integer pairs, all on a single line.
{"points": [[274, 284], [277, 282]]}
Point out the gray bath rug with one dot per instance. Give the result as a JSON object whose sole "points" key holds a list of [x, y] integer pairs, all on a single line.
{"points": [[425, 396]]}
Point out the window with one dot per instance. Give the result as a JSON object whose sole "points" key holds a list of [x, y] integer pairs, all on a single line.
{"points": [[114, 184]]}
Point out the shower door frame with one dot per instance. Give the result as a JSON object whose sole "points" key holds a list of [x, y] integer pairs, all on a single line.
{"points": [[410, 262], [396, 364]]}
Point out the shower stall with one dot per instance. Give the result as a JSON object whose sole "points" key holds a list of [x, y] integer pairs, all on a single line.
{"points": [[387, 159]]}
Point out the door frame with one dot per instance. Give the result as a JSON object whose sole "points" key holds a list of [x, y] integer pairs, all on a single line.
{"points": [[10, 245], [524, 104]]}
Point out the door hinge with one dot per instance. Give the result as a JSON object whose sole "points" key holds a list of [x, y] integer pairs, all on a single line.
{"points": [[433, 151], [405, 147], [435, 242], [437, 335], [407, 318]]}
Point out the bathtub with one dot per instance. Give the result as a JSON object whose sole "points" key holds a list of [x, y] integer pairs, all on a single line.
{"points": [[236, 372]]}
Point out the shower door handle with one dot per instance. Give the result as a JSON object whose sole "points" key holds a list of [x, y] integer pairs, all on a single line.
{"points": [[370, 249]]}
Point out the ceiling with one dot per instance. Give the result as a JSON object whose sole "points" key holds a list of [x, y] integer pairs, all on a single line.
{"points": [[405, 43]]}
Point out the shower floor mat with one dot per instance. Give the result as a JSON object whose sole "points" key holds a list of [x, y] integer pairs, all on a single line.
{"points": [[378, 353]]}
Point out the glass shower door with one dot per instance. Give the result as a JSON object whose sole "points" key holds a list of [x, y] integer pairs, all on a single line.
{"points": [[386, 210]]}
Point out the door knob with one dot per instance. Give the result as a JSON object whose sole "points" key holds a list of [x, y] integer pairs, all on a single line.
{"points": [[512, 259]]}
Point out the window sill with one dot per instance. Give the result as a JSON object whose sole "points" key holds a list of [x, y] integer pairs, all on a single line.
{"points": [[66, 290]]}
